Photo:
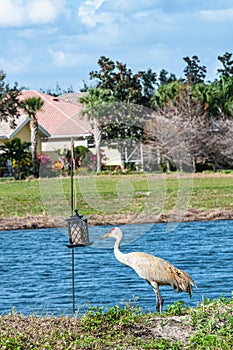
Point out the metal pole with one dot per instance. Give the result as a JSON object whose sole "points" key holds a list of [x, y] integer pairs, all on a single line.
{"points": [[71, 176], [72, 211], [73, 290], [142, 160]]}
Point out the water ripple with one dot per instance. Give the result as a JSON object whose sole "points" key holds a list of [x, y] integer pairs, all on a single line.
{"points": [[35, 267]]}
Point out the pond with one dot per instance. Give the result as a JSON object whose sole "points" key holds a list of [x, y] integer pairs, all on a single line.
{"points": [[36, 267]]}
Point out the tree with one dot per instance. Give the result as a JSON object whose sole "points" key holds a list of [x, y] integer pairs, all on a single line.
{"points": [[58, 90], [31, 105], [130, 92], [85, 87], [80, 153], [193, 72], [148, 81], [9, 101], [166, 96], [94, 102], [227, 63], [18, 153], [116, 77], [180, 107], [220, 100], [164, 78], [200, 113]]}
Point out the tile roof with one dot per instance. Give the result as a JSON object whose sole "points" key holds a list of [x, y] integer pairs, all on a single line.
{"points": [[72, 97], [59, 117], [6, 132]]}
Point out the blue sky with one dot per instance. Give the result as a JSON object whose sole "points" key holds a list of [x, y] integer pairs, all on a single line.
{"points": [[48, 41]]}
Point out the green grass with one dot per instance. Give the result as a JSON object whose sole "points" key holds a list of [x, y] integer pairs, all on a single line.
{"points": [[125, 194], [213, 322], [19, 198], [210, 193], [208, 326]]}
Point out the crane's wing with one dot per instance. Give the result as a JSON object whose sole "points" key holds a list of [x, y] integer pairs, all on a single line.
{"points": [[155, 269]]}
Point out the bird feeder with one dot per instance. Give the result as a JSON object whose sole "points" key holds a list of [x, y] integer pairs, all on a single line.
{"points": [[79, 237], [77, 225], [78, 230]]}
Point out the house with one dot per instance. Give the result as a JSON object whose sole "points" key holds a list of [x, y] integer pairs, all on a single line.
{"points": [[22, 131], [59, 120], [62, 120], [112, 156]]}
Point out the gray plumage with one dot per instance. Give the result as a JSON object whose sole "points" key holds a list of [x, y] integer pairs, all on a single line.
{"points": [[156, 271]]}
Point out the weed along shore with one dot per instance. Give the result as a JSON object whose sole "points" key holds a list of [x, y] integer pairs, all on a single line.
{"points": [[43, 221], [208, 326]]}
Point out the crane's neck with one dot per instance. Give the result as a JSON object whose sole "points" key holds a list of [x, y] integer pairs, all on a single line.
{"points": [[118, 254]]}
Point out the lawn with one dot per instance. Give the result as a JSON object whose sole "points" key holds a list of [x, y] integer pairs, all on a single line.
{"points": [[125, 194]]}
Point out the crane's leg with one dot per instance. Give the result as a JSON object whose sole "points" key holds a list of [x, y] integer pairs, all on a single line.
{"points": [[159, 298], [160, 302]]}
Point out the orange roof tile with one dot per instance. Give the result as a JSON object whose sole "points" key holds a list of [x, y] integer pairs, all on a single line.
{"points": [[6, 132], [59, 117]]}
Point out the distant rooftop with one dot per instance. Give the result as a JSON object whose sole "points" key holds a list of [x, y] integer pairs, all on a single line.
{"points": [[59, 115], [72, 97]]}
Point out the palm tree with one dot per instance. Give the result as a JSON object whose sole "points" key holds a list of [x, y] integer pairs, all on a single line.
{"points": [[167, 95], [31, 105], [221, 103], [94, 101]]}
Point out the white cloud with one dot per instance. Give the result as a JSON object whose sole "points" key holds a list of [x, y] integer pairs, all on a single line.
{"points": [[16, 13], [129, 6], [93, 12], [63, 59], [88, 12], [140, 33], [220, 15], [11, 13], [43, 11]]}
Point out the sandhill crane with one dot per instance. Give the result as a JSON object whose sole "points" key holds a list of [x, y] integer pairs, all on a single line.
{"points": [[156, 271]]}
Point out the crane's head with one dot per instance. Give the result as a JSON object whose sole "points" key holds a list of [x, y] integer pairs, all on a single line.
{"points": [[115, 232]]}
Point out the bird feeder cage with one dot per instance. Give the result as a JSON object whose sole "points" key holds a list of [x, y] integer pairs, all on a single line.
{"points": [[78, 231]]}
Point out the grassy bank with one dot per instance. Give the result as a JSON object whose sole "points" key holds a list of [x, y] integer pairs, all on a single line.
{"points": [[116, 194], [208, 326]]}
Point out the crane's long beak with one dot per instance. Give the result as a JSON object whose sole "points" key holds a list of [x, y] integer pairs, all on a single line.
{"points": [[105, 236]]}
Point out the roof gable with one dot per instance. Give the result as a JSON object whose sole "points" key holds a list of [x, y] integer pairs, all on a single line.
{"points": [[59, 117], [6, 132]]}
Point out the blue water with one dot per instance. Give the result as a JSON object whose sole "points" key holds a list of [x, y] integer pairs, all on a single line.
{"points": [[35, 267]]}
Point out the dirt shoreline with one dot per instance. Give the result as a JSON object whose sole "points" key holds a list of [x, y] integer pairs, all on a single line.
{"points": [[41, 221]]}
